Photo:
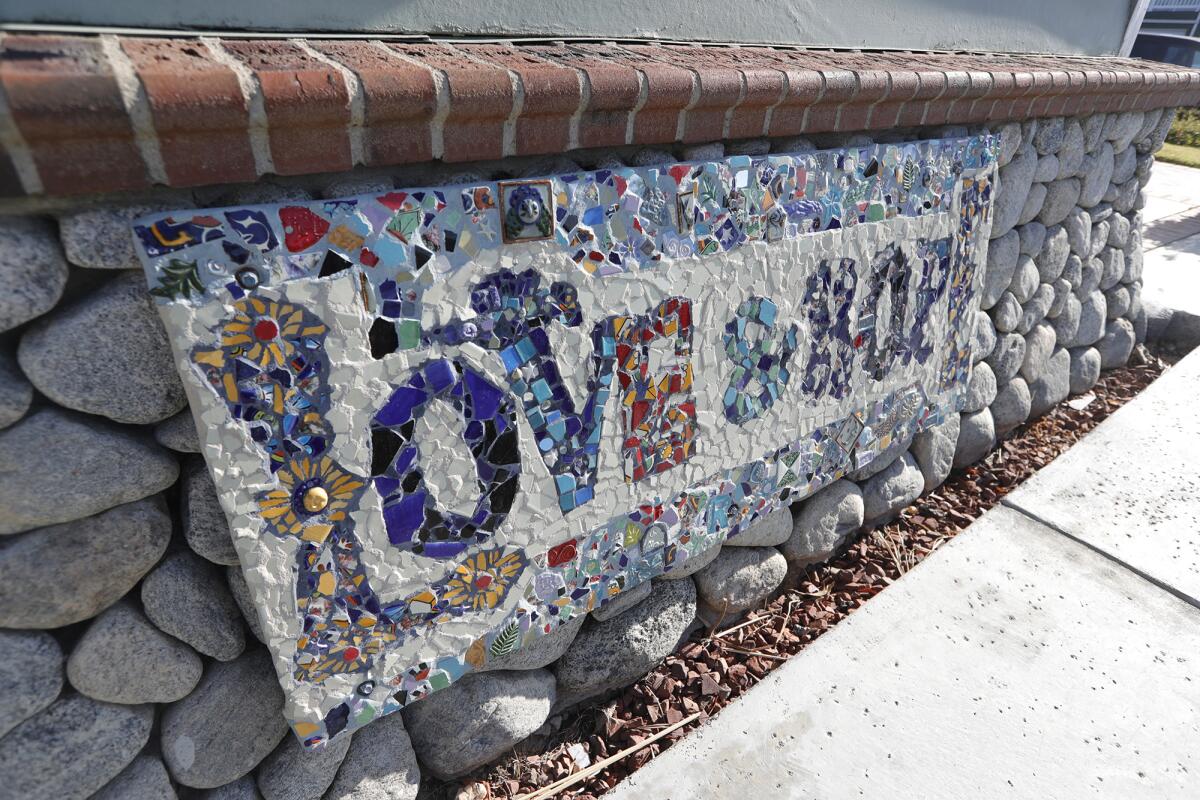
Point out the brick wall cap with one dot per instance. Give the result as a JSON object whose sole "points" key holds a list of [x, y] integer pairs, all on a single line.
{"points": [[329, 105]]}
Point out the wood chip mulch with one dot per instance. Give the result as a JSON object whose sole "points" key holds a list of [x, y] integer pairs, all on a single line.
{"points": [[716, 665]]}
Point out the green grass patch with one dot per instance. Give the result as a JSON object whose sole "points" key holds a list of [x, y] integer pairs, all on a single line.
{"points": [[1179, 154], [1186, 128]]}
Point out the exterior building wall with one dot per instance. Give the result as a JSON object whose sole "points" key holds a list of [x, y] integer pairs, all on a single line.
{"points": [[1087, 27]]}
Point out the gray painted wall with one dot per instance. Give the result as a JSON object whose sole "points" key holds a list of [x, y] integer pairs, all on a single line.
{"points": [[1064, 26]]}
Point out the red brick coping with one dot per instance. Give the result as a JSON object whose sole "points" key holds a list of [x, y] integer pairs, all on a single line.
{"points": [[112, 113]]}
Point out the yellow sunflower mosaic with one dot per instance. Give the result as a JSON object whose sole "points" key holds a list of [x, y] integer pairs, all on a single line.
{"points": [[313, 495], [483, 579], [263, 331]]}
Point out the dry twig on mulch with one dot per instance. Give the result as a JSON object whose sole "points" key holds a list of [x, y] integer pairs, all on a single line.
{"points": [[714, 668]]}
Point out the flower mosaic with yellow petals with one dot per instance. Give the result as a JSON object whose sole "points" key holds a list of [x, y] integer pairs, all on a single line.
{"points": [[263, 331], [483, 579], [314, 495]]}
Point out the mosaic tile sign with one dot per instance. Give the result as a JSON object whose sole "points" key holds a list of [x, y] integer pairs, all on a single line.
{"points": [[445, 421]]}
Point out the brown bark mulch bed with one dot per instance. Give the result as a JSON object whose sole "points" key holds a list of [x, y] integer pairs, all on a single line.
{"points": [[716, 666]]}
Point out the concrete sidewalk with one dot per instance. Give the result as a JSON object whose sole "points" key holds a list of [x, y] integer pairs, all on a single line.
{"points": [[1052, 650], [1171, 238]]}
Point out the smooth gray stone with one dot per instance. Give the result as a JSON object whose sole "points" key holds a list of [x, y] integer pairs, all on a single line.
{"points": [[1085, 369], [33, 271], [1061, 289], [933, 450], [1039, 344], [1047, 168], [106, 354], [178, 433], [981, 390], [66, 573], [1036, 309], [122, 658], [1159, 135], [1101, 211], [789, 144], [1134, 264], [620, 604], [882, 461], [1093, 131], [1015, 181], [983, 337], [1078, 227], [72, 749], [613, 653], [1117, 344], [1053, 385], [1122, 128], [1007, 358], [244, 788], [976, 437], [1118, 301], [542, 651], [1099, 238], [1128, 197], [1028, 130], [353, 185], [1025, 279], [187, 597], [31, 673], [1001, 263], [204, 523], [1066, 324], [760, 147], [1073, 271], [293, 773], [1096, 171], [1061, 626], [1139, 326], [1061, 197], [16, 393], [768, 531], [381, 764], [1093, 270], [740, 579], [649, 157], [1010, 140], [714, 151], [1033, 204], [1049, 136], [99, 238], [1092, 314], [885, 494], [1135, 301], [1129, 489], [1011, 406], [227, 725], [1149, 123], [1051, 260], [1032, 236], [56, 466], [1071, 152], [451, 737], [823, 522], [1006, 314], [145, 779], [245, 603], [1124, 165], [1112, 262]]}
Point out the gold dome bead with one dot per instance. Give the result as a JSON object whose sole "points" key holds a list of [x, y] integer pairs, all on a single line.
{"points": [[315, 499]]}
